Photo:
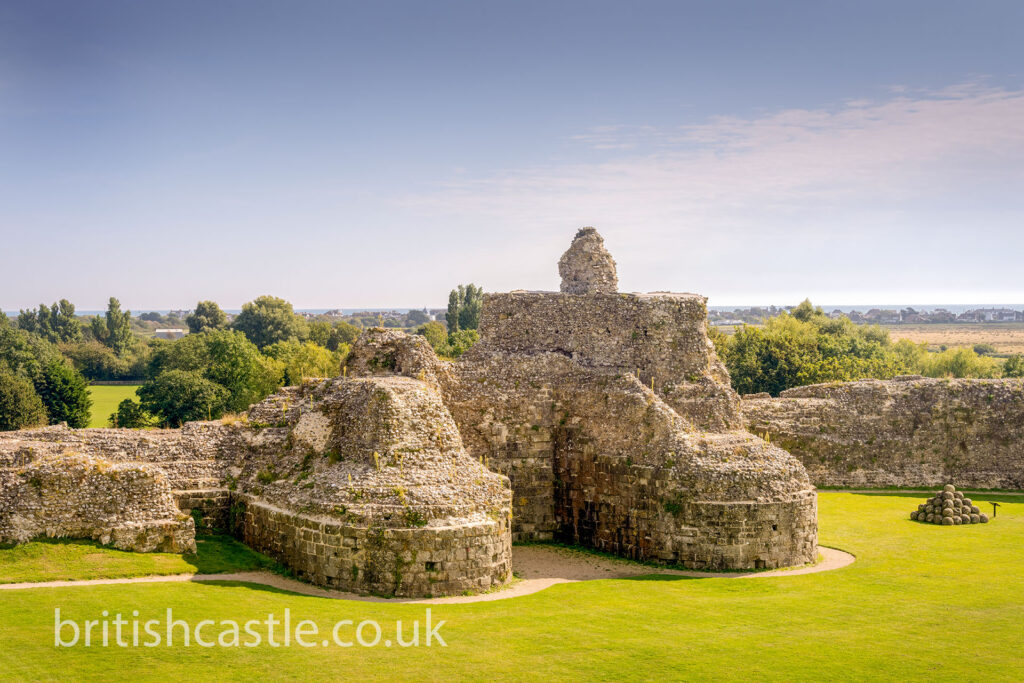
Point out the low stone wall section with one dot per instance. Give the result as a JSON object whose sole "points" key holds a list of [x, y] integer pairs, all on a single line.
{"points": [[405, 562]]}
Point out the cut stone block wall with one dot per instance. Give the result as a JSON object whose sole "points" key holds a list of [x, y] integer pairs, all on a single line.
{"points": [[471, 556]]}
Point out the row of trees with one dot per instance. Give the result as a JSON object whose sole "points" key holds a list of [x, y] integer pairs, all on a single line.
{"points": [[38, 385], [222, 367], [805, 346]]}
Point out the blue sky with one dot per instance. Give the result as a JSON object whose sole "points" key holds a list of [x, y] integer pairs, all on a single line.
{"points": [[377, 154]]}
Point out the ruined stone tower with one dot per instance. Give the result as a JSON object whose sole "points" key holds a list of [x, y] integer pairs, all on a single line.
{"points": [[609, 415], [587, 266]]}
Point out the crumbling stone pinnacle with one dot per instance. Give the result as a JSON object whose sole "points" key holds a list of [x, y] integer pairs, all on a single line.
{"points": [[587, 266]]}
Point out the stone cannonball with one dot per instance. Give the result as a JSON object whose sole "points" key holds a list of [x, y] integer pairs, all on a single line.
{"points": [[948, 488], [956, 520], [913, 515], [967, 501], [958, 495], [947, 512], [975, 518], [947, 521], [975, 510], [965, 519], [984, 518], [947, 496]]}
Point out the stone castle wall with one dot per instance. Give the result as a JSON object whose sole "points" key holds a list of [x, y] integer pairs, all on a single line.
{"points": [[902, 432], [660, 338], [125, 505], [602, 418], [384, 561]]}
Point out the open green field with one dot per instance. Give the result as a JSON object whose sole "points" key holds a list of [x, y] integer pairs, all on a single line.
{"points": [[58, 560], [920, 603], [105, 399]]}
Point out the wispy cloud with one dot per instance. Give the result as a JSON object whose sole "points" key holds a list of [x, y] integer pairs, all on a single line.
{"points": [[882, 167]]}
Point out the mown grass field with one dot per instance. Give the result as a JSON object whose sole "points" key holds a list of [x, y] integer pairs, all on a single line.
{"points": [[59, 560], [105, 399], [920, 603]]}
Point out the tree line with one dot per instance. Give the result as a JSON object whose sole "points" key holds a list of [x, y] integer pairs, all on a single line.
{"points": [[806, 346], [49, 355]]}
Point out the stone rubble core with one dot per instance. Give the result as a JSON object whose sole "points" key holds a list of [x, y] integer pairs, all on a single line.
{"points": [[587, 267], [600, 418], [125, 505], [949, 507], [907, 431]]}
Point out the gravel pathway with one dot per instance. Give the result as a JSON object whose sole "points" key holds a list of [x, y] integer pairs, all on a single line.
{"points": [[538, 567]]}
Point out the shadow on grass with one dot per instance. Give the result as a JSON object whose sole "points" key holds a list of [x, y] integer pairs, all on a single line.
{"points": [[87, 558], [261, 587], [220, 554], [666, 577]]}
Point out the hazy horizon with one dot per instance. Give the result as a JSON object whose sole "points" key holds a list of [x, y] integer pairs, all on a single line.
{"points": [[382, 153]]}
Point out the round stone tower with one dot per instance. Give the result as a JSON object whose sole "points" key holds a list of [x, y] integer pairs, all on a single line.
{"points": [[587, 266]]}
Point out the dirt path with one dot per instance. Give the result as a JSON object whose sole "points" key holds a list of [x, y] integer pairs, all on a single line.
{"points": [[537, 566]]}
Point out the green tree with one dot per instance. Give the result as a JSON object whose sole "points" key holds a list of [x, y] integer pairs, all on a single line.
{"points": [[98, 362], [347, 332], [469, 309], [20, 405], [129, 415], [460, 342], [333, 337], [417, 317], [114, 329], [226, 357], [179, 396], [1014, 366], [454, 304], [304, 360], [56, 323], [808, 347], [322, 333], [238, 366], [959, 363], [64, 393], [24, 352], [268, 319], [435, 333], [207, 316]]}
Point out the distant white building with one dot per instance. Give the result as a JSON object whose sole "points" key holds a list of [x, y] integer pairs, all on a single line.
{"points": [[170, 333]]}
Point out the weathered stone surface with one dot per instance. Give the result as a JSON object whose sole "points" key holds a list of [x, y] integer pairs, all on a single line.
{"points": [[587, 267], [614, 420], [125, 505], [365, 485], [902, 432], [609, 413]]}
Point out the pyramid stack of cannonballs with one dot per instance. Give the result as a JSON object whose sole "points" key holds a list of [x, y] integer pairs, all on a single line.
{"points": [[948, 508]]}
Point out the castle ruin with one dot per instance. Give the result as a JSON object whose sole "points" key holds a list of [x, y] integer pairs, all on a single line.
{"points": [[587, 416]]}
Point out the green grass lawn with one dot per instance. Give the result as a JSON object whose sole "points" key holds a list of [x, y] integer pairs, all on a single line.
{"points": [[105, 399], [59, 560], [921, 602]]}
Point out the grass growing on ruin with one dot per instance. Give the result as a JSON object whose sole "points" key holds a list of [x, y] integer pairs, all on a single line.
{"points": [[105, 399], [61, 560], [920, 602]]}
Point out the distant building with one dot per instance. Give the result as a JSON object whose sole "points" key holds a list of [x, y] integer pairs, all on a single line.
{"points": [[170, 333], [992, 315]]}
